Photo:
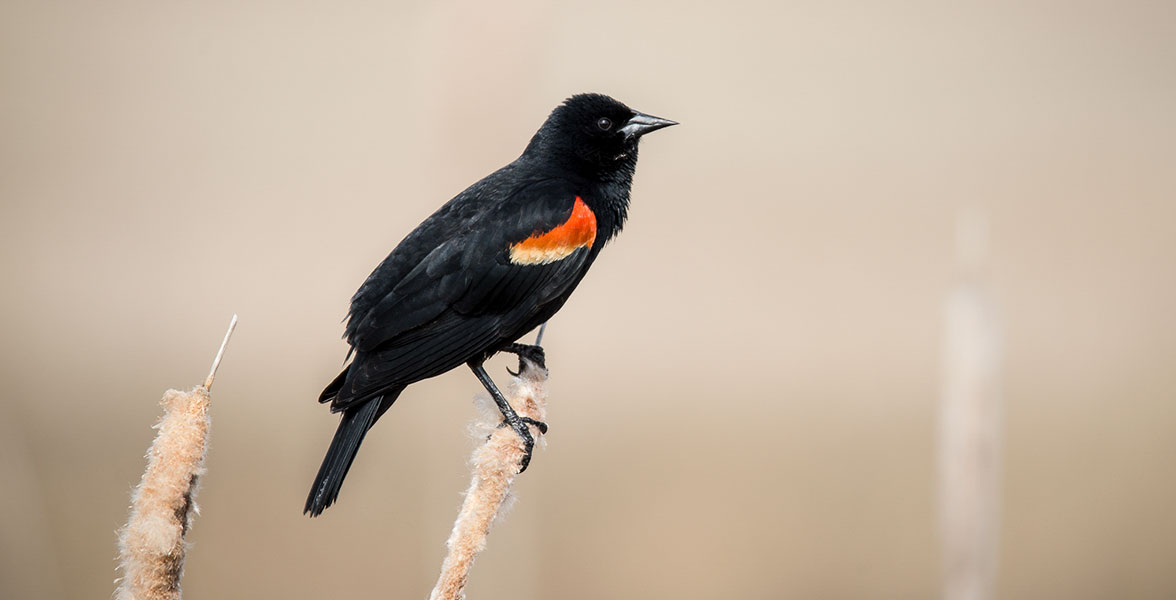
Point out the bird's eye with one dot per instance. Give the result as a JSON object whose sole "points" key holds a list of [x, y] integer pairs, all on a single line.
{"points": [[604, 123]]}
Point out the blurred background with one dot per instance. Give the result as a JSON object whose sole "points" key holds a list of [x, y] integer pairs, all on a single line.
{"points": [[745, 391]]}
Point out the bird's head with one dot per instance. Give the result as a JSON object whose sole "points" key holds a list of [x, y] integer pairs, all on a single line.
{"points": [[594, 130]]}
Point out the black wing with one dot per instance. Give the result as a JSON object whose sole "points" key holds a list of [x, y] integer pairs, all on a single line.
{"points": [[464, 297]]}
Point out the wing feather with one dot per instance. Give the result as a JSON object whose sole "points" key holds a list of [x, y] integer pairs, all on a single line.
{"points": [[464, 297]]}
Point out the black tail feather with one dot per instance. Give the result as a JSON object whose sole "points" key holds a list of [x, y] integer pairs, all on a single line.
{"points": [[353, 426], [334, 387]]}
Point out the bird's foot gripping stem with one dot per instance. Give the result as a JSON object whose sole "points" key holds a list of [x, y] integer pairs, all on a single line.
{"points": [[510, 418], [534, 354], [519, 425]]}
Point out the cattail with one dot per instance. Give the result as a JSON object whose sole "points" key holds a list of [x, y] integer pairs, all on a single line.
{"points": [[494, 466], [151, 546], [970, 423]]}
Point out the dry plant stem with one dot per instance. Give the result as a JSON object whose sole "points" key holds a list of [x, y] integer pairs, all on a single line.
{"points": [[220, 354], [151, 546], [970, 424], [494, 466]]}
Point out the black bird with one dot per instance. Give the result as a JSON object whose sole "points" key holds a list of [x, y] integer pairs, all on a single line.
{"points": [[490, 265]]}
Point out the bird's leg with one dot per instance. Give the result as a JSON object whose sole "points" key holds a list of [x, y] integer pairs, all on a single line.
{"points": [[509, 416]]}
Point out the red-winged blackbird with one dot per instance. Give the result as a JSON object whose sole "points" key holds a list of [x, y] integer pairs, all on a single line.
{"points": [[490, 265]]}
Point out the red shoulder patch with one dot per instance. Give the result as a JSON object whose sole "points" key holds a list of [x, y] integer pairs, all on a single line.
{"points": [[543, 248]]}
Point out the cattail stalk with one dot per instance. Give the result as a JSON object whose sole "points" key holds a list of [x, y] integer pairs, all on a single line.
{"points": [[151, 546], [970, 424], [494, 466]]}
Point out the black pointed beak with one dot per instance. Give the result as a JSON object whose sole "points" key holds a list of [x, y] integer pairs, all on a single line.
{"points": [[641, 124]]}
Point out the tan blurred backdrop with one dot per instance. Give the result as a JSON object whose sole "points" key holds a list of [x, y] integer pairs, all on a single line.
{"points": [[744, 391]]}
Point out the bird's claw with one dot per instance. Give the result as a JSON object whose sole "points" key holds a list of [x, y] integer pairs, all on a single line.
{"points": [[527, 352], [520, 428], [538, 424]]}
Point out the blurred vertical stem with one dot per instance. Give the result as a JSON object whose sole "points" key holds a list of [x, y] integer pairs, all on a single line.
{"points": [[151, 546], [970, 422]]}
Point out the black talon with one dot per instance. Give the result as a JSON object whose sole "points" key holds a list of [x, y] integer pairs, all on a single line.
{"points": [[539, 424], [528, 442], [529, 421], [534, 354], [525, 434]]}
